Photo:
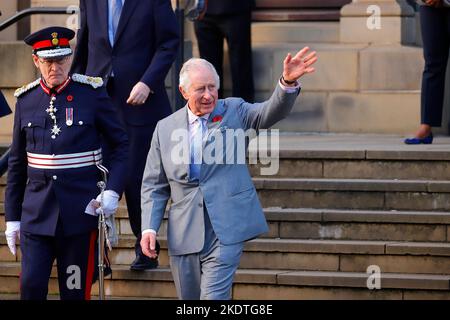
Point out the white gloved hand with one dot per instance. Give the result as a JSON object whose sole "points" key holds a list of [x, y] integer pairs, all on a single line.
{"points": [[110, 202], [12, 233]]}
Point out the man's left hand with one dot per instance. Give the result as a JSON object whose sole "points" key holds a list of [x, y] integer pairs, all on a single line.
{"points": [[110, 203], [299, 65], [139, 94]]}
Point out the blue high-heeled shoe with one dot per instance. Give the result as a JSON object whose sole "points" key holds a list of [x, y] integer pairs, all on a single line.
{"points": [[426, 140]]}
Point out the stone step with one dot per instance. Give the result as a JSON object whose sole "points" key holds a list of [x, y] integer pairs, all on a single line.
{"points": [[308, 166], [353, 157], [94, 296], [339, 225], [324, 255], [303, 166], [369, 185], [304, 223], [368, 194], [358, 224], [318, 255], [378, 194], [263, 284]]}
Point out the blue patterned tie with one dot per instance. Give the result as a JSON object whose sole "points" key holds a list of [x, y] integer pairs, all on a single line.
{"points": [[196, 149], [116, 11]]}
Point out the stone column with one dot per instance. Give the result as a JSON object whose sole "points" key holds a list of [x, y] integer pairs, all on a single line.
{"points": [[42, 20], [378, 22]]}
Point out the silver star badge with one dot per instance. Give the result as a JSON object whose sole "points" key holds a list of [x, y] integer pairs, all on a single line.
{"points": [[56, 130]]}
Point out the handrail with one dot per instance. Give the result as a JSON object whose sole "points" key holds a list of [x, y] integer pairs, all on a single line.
{"points": [[36, 10]]}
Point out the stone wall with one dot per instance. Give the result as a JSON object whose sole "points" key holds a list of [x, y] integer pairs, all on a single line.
{"points": [[8, 8], [363, 84]]}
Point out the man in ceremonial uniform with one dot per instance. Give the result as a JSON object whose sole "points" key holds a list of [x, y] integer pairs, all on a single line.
{"points": [[52, 196]]}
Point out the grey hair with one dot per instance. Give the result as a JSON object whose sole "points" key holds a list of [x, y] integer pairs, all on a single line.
{"points": [[195, 64]]}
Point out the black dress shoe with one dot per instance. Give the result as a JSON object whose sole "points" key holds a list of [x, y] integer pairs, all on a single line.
{"points": [[107, 271], [144, 263]]}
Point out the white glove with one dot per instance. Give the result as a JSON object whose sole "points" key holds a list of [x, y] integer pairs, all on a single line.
{"points": [[12, 233], [110, 202]]}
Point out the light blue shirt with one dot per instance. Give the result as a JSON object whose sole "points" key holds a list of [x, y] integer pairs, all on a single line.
{"points": [[110, 25]]}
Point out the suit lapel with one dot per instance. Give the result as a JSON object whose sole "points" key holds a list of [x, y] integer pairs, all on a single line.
{"points": [[127, 11], [215, 119], [181, 122], [102, 6]]}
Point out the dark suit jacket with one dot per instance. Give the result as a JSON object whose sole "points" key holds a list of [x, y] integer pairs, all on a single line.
{"points": [[4, 108], [145, 47], [217, 7]]}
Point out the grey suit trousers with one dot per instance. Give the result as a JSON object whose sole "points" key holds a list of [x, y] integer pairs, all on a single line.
{"points": [[209, 274]]}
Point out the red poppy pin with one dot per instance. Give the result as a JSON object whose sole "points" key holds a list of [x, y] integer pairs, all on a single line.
{"points": [[70, 98], [217, 119]]}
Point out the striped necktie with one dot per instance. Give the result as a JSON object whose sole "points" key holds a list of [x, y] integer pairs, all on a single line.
{"points": [[196, 148], [116, 11]]}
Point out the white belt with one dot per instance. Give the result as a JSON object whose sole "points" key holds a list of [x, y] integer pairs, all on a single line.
{"points": [[64, 161]]}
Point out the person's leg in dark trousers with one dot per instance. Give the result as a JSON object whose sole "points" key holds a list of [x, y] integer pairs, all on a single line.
{"points": [[77, 260], [140, 140], [435, 25], [210, 44], [237, 30], [38, 254]]}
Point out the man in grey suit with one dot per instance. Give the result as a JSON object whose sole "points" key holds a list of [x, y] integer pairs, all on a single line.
{"points": [[214, 205]]}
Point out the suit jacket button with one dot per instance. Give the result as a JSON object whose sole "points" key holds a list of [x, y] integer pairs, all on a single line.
{"points": [[200, 205]]}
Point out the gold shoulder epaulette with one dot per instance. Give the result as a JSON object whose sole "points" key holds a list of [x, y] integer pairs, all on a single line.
{"points": [[95, 82], [26, 88]]}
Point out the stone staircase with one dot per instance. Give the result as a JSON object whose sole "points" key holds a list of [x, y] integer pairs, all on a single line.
{"points": [[338, 205]]}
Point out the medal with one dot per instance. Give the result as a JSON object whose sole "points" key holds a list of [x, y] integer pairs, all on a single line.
{"points": [[55, 131], [51, 110], [69, 116]]}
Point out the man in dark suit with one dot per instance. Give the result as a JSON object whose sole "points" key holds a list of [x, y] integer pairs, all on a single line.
{"points": [[231, 20], [131, 44]]}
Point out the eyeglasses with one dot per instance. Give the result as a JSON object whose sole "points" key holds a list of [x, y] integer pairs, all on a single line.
{"points": [[58, 61]]}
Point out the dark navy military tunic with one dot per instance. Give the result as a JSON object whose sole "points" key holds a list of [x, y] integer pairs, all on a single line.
{"points": [[44, 198]]}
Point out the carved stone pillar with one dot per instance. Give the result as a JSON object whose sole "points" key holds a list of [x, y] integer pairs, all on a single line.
{"points": [[378, 21]]}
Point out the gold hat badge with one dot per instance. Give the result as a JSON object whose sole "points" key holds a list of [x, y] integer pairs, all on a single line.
{"points": [[55, 40]]}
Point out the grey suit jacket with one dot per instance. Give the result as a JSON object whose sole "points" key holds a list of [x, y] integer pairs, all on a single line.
{"points": [[226, 189]]}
